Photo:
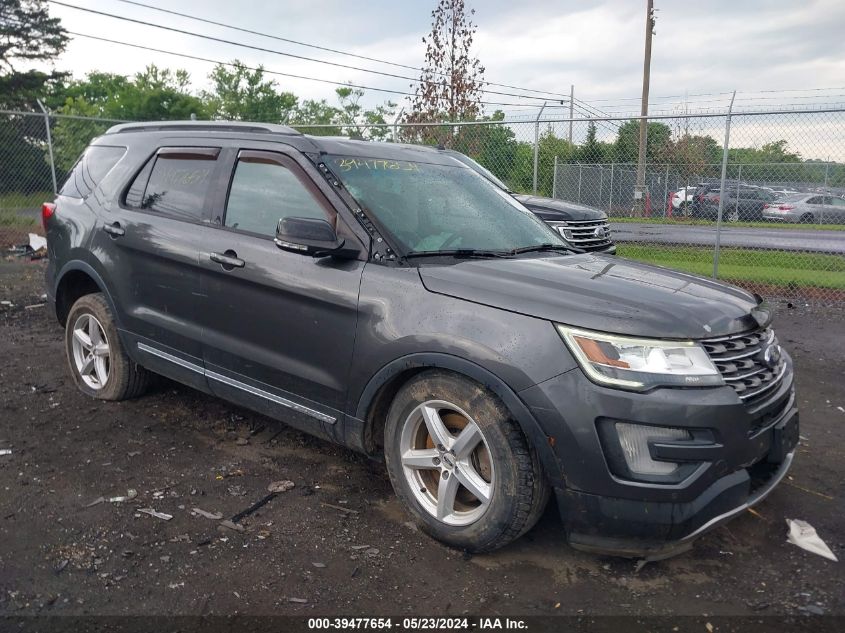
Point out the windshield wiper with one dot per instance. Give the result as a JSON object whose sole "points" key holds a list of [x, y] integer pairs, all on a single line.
{"points": [[466, 253], [546, 247]]}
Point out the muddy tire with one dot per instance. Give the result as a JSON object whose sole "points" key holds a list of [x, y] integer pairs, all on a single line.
{"points": [[97, 361], [460, 464]]}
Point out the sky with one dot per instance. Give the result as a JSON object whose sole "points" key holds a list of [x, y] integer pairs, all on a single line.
{"points": [[702, 49]]}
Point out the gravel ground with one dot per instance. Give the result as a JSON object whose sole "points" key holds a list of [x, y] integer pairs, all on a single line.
{"points": [[338, 542]]}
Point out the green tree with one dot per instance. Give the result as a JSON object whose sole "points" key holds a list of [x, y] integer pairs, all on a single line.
{"points": [[28, 35], [356, 121], [155, 94], [241, 94], [626, 146], [493, 146]]}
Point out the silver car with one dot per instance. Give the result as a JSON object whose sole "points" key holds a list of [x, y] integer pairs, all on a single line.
{"points": [[807, 208]]}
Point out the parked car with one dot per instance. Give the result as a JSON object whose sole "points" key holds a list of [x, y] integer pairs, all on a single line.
{"points": [[807, 208], [682, 199], [388, 298], [741, 201], [586, 228]]}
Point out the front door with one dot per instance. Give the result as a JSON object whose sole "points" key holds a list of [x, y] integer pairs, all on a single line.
{"points": [[278, 327]]}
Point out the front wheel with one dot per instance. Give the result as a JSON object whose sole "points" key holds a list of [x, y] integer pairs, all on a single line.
{"points": [[460, 464]]}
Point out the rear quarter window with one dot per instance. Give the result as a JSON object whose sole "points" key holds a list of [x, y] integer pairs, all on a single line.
{"points": [[90, 169]]}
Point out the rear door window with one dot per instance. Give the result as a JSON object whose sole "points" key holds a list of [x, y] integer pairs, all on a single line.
{"points": [[90, 169], [175, 182]]}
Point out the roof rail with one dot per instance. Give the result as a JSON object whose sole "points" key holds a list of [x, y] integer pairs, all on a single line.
{"points": [[211, 126]]}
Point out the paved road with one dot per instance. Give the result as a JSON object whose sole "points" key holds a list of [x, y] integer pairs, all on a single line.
{"points": [[784, 239]]}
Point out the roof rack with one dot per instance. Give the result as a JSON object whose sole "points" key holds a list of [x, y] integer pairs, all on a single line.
{"points": [[211, 126]]}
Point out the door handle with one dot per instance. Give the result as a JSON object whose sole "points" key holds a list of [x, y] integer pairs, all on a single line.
{"points": [[228, 260], [114, 229]]}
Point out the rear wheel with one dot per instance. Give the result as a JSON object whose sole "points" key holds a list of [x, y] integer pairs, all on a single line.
{"points": [[733, 216], [460, 464], [807, 218], [98, 363]]}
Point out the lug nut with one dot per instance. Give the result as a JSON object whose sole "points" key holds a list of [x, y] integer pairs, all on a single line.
{"points": [[436, 461], [445, 474]]}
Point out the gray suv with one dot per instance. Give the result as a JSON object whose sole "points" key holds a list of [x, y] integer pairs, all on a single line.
{"points": [[390, 299]]}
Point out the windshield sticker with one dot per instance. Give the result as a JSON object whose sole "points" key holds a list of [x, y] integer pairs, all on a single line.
{"points": [[348, 164]]}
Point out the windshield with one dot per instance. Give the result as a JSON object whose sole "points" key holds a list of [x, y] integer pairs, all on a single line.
{"points": [[429, 208], [489, 175]]}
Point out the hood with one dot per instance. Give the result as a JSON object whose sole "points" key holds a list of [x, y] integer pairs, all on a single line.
{"points": [[554, 209], [603, 293]]}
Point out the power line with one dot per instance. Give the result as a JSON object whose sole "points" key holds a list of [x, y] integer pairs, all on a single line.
{"points": [[269, 72], [324, 48], [269, 50]]}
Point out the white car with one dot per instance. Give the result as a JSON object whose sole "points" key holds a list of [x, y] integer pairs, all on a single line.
{"points": [[807, 208], [682, 198]]}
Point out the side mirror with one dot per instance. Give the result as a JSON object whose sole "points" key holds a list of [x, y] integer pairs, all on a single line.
{"points": [[310, 236]]}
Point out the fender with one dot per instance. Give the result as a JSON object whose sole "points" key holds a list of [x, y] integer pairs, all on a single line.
{"points": [[537, 438], [89, 270]]}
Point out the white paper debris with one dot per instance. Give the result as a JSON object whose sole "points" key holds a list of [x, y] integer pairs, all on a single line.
{"points": [[804, 536], [5, 451], [159, 515], [36, 242]]}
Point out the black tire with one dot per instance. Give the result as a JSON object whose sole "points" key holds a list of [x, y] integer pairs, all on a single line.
{"points": [[807, 218], [126, 379], [520, 491]]}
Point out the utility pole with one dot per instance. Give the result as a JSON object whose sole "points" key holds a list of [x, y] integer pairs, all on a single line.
{"points": [[640, 190], [571, 109]]}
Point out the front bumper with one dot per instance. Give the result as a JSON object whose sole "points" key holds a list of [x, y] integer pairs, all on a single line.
{"points": [[605, 514]]}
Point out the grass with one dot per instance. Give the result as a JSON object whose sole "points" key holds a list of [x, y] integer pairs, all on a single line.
{"points": [[18, 200], [701, 222], [778, 268], [15, 220]]}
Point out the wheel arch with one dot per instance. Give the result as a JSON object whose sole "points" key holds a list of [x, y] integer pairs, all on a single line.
{"points": [[379, 392], [76, 279]]}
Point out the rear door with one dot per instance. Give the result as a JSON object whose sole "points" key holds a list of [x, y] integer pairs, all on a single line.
{"points": [[149, 241], [278, 327]]}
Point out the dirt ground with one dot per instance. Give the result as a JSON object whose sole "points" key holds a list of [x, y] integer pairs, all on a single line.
{"points": [[338, 543]]}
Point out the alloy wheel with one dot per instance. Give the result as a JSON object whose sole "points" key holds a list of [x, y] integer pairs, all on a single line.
{"points": [[447, 463], [91, 353]]}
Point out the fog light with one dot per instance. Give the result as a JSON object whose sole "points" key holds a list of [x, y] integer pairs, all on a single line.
{"points": [[634, 439]]}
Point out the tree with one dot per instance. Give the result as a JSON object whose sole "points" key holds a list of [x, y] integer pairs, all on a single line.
{"points": [[592, 150], [627, 142], [155, 94], [451, 82], [242, 94], [357, 121], [27, 34]]}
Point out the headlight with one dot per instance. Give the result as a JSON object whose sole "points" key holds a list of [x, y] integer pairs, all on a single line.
{"points": [[640, 364], [563, 229]]}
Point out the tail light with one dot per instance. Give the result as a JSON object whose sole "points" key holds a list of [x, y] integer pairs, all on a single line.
{"points": [[767, 206], [47, 211], [786, 207]]}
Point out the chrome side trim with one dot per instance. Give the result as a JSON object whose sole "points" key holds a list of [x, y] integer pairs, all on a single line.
{"points": [[753, 500], [170, 357], [238, 384]]}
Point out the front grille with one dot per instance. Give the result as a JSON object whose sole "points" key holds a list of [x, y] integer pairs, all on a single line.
{"points": [[582, 233], [740, 359]]}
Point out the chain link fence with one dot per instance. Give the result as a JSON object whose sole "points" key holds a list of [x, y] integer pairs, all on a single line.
{"points": [[766, 210]]}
